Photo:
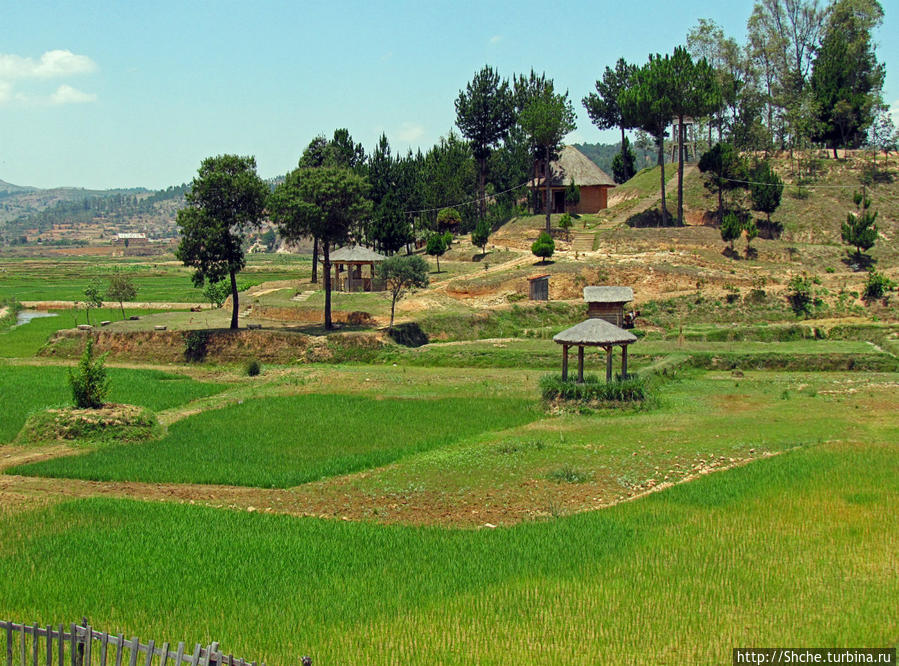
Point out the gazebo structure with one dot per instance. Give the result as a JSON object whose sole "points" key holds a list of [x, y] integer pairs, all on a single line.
{"points": [[349, 261], [594, 333]]}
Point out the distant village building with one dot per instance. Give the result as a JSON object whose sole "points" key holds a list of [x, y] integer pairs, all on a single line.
{"points": [[608, 303], [132, 243], [574, 166]]}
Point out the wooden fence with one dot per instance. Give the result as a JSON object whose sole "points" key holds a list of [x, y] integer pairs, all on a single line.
{"points": [[50, 645]]}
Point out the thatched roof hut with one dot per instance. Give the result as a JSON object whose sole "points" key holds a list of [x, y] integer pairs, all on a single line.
{"points": [[348, 275], [574, 166], [608, 303], [594, 333]]}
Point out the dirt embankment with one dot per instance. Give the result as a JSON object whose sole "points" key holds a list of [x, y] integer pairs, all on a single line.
{"points": [[218, 345]]}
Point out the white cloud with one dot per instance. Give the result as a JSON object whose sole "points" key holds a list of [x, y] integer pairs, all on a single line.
{"points": [[5, 91], [52, 64], [496, 39], [66, 94], [410, 132]]}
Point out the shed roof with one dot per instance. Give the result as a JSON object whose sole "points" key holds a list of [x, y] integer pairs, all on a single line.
{"points": [[608, 294], [356, 253], [595, 332], [538, 277], [574, 165]]}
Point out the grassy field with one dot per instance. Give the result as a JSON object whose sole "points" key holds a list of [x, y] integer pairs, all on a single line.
{"points": [[794, 550], [286, 441], [157, 281], [26, 389]]}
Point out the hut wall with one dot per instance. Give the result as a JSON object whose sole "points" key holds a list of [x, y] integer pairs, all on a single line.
{"points": [[539, 289], [594, 198], [611, 312]]}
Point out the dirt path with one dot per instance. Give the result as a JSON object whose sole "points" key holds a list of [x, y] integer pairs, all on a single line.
{"points": [[651, 200]]}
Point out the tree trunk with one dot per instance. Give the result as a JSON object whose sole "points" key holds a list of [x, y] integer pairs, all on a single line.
{"points": [[326, 266], [122, 305], [660, 140], [482, 178], [315, 260], [681, 137], [546, 172], [835, 156], [437, 256], [234, 305]]}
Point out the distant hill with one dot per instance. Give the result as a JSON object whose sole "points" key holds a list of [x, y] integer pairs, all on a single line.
{"points": [[602, 155]]}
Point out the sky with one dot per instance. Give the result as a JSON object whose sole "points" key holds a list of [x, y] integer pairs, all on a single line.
{"points": [[136, 94]]}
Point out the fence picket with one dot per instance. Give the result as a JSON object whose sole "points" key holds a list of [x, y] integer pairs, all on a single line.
{"points": [[180, 655], [34, 645], [104, 645], [164, 657], [9, 644], [195, 660], [150, 648], [22, 646], [74, 640], [135, 650], [119, 648], [61, 647], [88, 640]]}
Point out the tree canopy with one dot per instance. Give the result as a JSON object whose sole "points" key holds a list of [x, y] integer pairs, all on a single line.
{"points": [[605, 111], [402, 274], [225, 199], [327, 203]]}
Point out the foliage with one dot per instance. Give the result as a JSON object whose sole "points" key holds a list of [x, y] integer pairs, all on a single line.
{"points": [[195, 346], [216, 292], [327, 203], [623, 168], [846, 78], [448, 219], [252, 368], [121, 288], [877, 285], [436, 246], [731, 228], [725, 171], [115, 424], [88, 381], [546, 119], [481, 235], [860, 230], [802, 295], [572, 193], [93, 297], [565, 223], [632, 389], [544, 246], [646, 104], [752, 231], [409, 334], [401, 274], [226, 199], [484, 115], [766, 189]]}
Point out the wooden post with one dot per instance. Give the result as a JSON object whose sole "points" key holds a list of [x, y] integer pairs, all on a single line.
{"points": [[580, 364], [609, 363], [564, 363], [624, 361]]}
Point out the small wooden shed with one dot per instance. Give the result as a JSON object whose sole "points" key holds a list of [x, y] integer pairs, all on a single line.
{"points": [[348, 274], [594, 333], [538, 287], [608, 303]]}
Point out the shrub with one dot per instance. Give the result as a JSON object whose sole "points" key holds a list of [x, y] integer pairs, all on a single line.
{"points": [[731, 228], [877, 286], [195, 346], [253, 368], [631, 389], [802, 294], [88, 381], [481, 235], [565, 223], [544, 246], [408, 335]]}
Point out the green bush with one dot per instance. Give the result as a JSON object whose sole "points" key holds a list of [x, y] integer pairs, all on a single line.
{"points": [[253, 368], [544, 246], [88, 381], [631, 389], [195, 346], [877, 286], [408, 335]]}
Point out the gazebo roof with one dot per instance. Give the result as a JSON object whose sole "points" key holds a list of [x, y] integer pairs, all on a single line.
{"points": [[608, 294], [356, 253], [595, 332]]}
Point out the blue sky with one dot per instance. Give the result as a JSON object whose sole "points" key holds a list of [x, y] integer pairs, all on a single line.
{"points": [[122, 94]]}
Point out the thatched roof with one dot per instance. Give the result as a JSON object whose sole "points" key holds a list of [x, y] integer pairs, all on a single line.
{"points": [[352, 253], [608, 294], [595, 332], [573, 164]]}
